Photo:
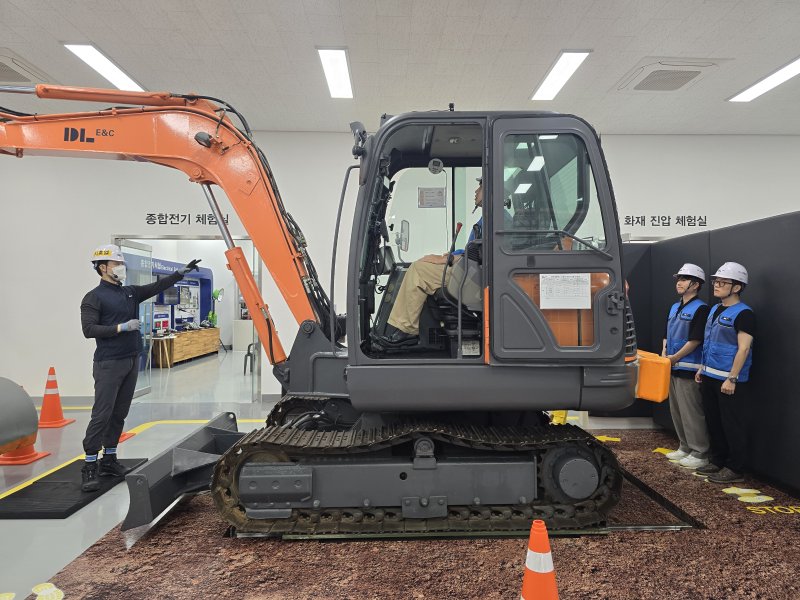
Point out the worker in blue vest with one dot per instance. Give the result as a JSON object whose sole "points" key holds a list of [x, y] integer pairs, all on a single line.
{"points": [[727, 357], [683, 345]]}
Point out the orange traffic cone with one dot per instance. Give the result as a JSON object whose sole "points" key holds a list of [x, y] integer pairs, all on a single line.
{"points": [[126, 435], [539, 581], [24, 455], [52, 415]]}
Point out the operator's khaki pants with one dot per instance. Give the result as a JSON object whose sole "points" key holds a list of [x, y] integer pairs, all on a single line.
{"points": [[422, 280]]}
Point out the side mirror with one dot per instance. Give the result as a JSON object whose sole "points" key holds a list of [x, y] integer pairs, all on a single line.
{"points": [[405, 233]]}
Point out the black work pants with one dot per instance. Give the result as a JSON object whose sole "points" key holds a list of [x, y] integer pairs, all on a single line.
{"points": [[114, 383], [726, 418]]}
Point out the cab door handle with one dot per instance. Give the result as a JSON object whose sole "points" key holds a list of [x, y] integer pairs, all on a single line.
{"points": [[615, 303]]}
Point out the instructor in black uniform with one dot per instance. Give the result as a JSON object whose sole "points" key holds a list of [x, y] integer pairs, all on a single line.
{"points": [[109, 313]]}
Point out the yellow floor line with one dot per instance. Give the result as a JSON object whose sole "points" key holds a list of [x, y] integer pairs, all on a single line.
{"points": [[138, 429]]}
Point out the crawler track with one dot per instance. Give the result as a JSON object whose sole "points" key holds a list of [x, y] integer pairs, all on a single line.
{"points": [[283, 444]]}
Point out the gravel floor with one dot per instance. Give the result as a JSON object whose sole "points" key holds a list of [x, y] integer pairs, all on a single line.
{"points": [[740, 554]]}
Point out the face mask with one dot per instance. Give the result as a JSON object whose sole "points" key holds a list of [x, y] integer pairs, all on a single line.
{"points": [[119, 272]]}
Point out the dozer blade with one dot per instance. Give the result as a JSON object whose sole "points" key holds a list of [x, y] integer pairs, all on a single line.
{"points": [[182, 469]]}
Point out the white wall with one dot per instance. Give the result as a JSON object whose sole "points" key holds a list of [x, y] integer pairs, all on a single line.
{"points": [[729, 179], [55, 211]]}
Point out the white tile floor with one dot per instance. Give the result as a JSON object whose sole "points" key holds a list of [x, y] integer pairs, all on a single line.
{"points": [[200, 389], [215, 378]]}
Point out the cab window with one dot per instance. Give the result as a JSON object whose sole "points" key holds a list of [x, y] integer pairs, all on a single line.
{"points": [[550, 195]]}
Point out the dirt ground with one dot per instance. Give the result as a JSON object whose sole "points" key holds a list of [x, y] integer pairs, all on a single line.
{"points": [[740, 554]]}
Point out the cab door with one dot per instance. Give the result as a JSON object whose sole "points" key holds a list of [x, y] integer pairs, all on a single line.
{"points": [[557, 293]]}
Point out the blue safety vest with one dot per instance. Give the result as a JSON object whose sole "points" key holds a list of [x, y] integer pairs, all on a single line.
{"points": [[721, 344], [678, 325]]}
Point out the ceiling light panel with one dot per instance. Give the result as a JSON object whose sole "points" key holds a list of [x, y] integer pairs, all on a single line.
{"points": [[762, 87], [103, 65], [559, 74], [536, 164], [334, 64]]}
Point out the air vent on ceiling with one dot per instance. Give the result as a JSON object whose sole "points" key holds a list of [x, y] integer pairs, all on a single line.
{"points": [[14, 70], [654, 74], [665, 80]]}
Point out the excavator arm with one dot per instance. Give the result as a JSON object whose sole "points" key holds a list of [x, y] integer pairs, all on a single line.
{"points": [[195, 135]]}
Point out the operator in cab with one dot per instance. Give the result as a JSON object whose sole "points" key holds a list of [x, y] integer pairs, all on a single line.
{"points": [[110, 315], [423, 279]]}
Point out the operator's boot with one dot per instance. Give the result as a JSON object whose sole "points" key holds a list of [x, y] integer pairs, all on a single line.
{"points": [[111, 467], [89, 480]]}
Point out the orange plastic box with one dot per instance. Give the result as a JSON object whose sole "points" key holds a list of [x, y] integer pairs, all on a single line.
{"points": [[654, 372]]}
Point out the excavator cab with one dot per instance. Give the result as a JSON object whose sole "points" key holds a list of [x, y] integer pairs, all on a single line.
{"points": [[537, 288]]}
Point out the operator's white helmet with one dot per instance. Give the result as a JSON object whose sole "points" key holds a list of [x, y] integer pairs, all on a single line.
{"points": [[693, 271], [732, 270], [108, 252]]}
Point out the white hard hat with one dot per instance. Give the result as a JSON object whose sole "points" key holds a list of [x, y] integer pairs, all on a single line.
{"points": [[693, 271], [108, 252], [732, 270]]}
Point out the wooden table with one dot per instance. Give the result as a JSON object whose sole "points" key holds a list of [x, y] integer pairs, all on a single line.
{"points": [[162, 350], [185, 346]]}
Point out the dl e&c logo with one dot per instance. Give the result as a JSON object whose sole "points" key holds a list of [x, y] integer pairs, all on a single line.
{"points": [[76, 135]]}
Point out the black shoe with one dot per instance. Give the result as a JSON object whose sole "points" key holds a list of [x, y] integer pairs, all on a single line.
{"points": [[402, 338], [392, 336], [709, 469], [89, 480], [725, 476], [111, 467]]}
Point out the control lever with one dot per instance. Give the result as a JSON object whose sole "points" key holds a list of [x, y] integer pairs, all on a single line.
{"points": [[453, 245]]}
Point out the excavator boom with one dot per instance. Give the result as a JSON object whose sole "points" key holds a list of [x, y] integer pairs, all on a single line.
{"points": [[196, 136]]}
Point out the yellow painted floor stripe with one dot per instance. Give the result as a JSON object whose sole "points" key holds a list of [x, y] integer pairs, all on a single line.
{"points": [[38, 477], [138, 429]]}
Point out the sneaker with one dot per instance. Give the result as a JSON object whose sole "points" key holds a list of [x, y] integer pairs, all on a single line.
{"points": [[692, 462], [709, 469], [111, 467], [89, 481], [677, 454], [725, 476]]}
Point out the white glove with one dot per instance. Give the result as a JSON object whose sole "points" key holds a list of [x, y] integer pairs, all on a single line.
{"points": [[132, 325]]}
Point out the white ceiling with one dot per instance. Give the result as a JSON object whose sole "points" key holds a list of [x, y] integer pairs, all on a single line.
{"points": [[422, 54]]}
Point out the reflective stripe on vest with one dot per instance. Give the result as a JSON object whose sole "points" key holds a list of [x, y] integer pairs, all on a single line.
{"points": [[539, 562], [678, 325], [721, 374], [687, 365], [722, 343]]}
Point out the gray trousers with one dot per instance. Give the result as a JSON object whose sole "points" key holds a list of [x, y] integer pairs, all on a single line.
{"points": [[114, 383], [686, 406]]}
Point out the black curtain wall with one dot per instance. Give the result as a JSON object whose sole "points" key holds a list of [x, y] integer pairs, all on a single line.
{"points": [[769, 249]]}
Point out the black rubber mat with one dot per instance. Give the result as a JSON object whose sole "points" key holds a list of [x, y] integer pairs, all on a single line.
{"points": [[59, 494]]}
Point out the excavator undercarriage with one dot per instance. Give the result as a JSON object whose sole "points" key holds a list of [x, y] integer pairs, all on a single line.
{"points": [[425, 476]]}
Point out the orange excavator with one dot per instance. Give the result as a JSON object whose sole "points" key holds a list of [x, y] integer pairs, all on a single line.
{"points": [[446, 432]]}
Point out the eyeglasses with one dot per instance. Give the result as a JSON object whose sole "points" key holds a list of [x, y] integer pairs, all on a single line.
{"points": [[718, 283]]}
